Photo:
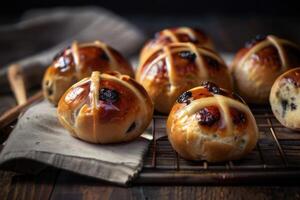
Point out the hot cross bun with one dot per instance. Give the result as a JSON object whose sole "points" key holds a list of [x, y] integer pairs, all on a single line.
{"points": [[210, 123], [256, 66], [285, 99], [177, 67], [174, 35], [105, 108], [79, 61]]}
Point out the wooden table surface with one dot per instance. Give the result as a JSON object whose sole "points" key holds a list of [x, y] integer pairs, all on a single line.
{"points": [[56, 184], [229, 33]]}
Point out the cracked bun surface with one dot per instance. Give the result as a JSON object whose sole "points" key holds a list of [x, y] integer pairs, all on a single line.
{"points": [[79, 61], [212, 124], [259, 63], [175, 35], [285, 99], [177, 67], [105, 108]]}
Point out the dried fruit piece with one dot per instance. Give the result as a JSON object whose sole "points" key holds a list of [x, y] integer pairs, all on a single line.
{"points": [[104, 56], [293, 106], [208, 116], [211, 87], [187, 55], [109, 95], [184, 97]]}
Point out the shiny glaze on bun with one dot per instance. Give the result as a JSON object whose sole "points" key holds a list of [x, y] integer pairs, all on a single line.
{"points": [[105, 108], [178, 67], [175, 35], [210, 123], [79, 61], [259, 63]]}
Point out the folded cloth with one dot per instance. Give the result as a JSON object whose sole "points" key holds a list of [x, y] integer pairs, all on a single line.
{"points": [[41, 34], [39, 138]]}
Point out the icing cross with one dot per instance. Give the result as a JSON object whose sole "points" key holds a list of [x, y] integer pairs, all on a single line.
{"points": [[222, 102], [270, 40], [82, 107], [169, 50], [76, 56], [173, 34]]}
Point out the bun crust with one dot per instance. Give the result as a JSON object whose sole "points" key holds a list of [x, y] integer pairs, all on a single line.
{"points": [[175, 35], [79, 61], [178, 67], [256, 67], [105, 108], [285, 99], [209, 123]]}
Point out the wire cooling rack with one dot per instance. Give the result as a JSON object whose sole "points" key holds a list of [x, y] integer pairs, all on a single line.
{"points": [[276, 158]]}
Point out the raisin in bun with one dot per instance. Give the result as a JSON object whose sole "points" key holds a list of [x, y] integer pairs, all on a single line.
{"points": [[105, 108], [178, 34], [285, 99], [77, 62], [209, 123], [256, 66], [178, 67]]}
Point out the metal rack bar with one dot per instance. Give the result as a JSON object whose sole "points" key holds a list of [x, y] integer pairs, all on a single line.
{"points": [[164, 165], [154, 144], [281, 152], [248, 165], [177, 161], [205, 165], [261, 155]]}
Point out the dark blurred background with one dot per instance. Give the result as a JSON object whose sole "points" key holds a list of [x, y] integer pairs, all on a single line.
{"points": [[161, 7], [229, 22]]}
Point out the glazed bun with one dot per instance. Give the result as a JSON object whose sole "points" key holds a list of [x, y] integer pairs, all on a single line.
{"points": [[105, 108], [285, 99], [256, 66], [209, 123], [171, 35], [178, 67], [77, 62]]}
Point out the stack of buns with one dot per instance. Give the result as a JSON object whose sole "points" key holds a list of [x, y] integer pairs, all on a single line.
{"points": [[179, 74]]}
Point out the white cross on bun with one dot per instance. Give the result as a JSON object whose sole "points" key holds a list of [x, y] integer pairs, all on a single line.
{"points": [[177, 67], [175, 35], [79, 61], [259, 63], [105, 108], [212, 124]]}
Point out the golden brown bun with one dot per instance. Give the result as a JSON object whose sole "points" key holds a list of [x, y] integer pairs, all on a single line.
{"points": [[209, 123], [285, 99], [105, 108], [256, 66], [178, 67], [79, 61], [178, 34]]}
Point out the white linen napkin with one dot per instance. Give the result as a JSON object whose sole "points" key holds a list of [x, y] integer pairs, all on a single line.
{"points": [[39, 137]]}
